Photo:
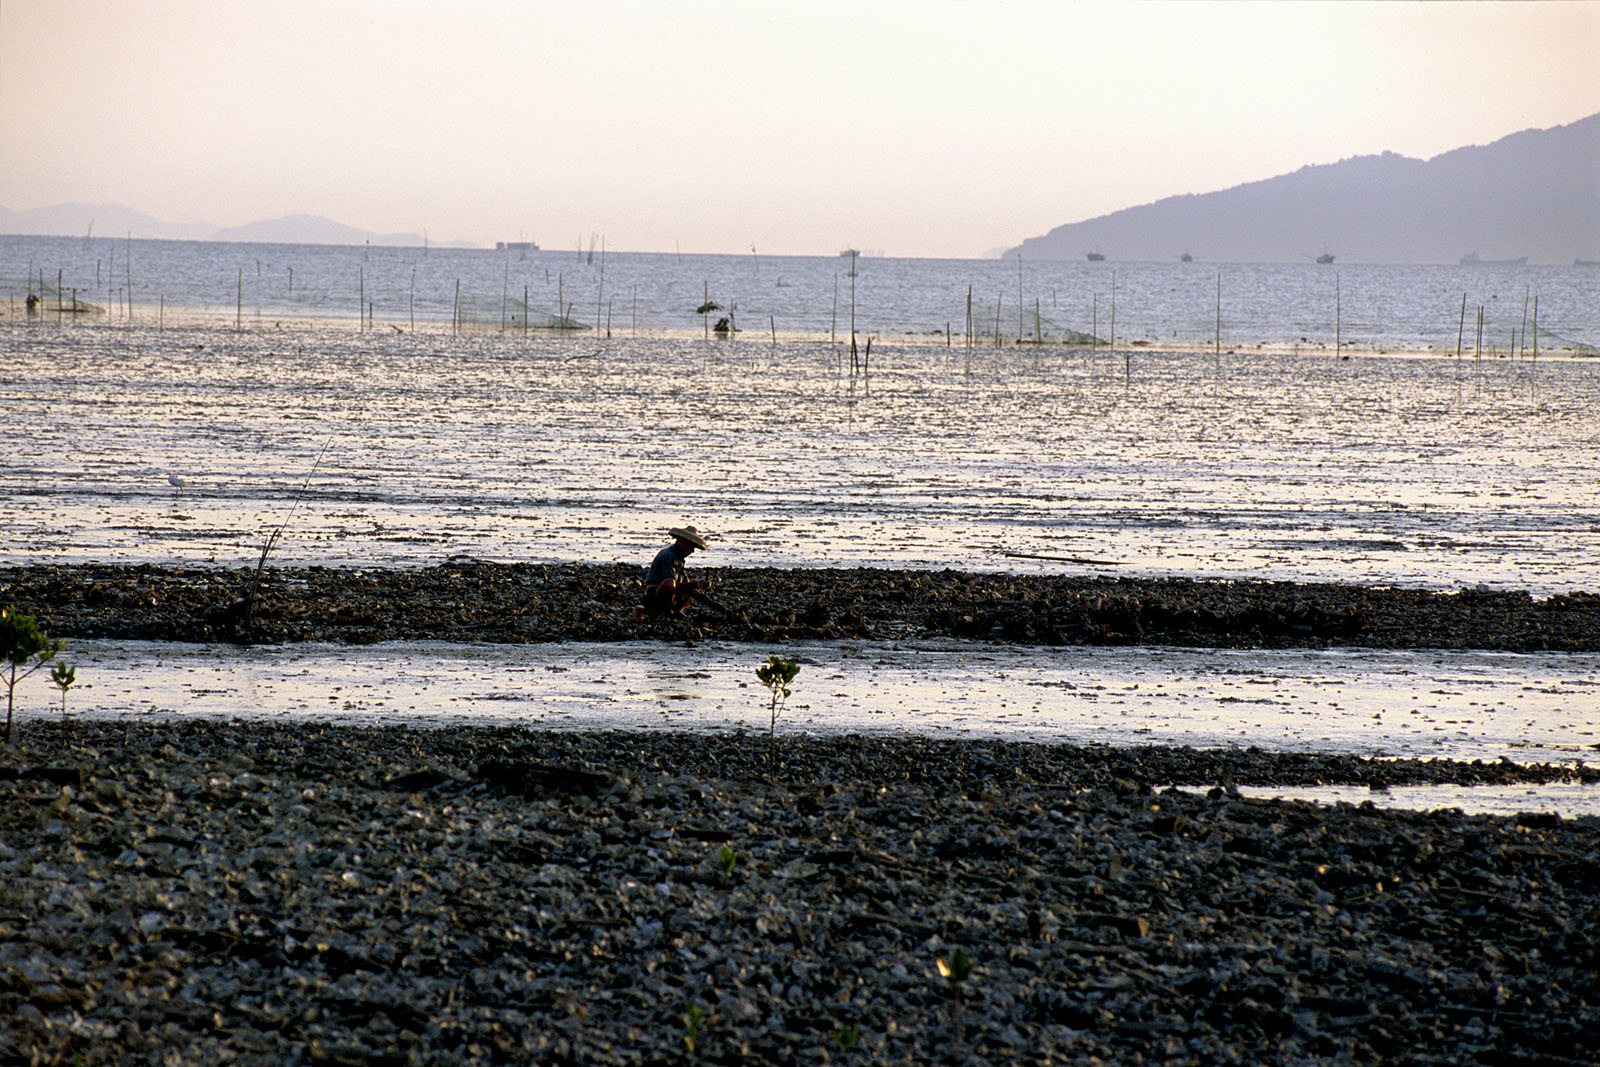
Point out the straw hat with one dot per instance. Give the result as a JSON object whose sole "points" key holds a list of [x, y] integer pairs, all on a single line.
{"points": [[689, 534]]}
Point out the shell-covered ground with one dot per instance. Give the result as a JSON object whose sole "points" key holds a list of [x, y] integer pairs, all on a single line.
{"points": [[467, 600]]}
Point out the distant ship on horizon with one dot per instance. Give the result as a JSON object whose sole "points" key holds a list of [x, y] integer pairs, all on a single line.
{"points": [[1471, 260], [1326, 257], [516, 246]]}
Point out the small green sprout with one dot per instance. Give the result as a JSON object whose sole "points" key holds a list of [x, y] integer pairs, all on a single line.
{"points": [[956, 970], [776, 674], [64, 676], [694, 1018], [726, 859], [846, 1037]]}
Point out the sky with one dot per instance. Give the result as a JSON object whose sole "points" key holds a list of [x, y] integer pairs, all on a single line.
{"points": [[943, 128]]}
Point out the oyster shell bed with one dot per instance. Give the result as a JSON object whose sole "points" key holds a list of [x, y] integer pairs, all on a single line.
{"points": [[222, 892], [469, 600]]}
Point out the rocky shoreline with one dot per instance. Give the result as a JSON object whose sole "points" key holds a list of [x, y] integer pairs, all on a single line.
{"points": [[470, 600], [221, 892]]}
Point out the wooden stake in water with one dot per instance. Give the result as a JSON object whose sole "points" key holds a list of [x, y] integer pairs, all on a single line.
{"points": [[1525, 290], [238, 310], [601, 290], [455, 310], [1219, 323], [833, 323], [411, 302], [852, 312], [1111, 341], [968, 333], [1338, 317], [1019, 298], [361, 308]]}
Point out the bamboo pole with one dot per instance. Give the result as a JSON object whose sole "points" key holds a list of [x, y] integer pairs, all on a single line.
{"points": [[852, 312], [968, 332], [1338, 317], [238, 308], [1525, 290], [361, 309], [1219, 323], [1019, 298]]}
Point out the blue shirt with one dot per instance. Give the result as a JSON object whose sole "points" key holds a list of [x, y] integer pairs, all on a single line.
{"points": [[668, 564]]}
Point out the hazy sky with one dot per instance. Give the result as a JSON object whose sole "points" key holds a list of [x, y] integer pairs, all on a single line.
{"points": [[919, 127]]}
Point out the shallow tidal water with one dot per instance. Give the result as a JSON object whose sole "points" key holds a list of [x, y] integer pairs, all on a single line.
{"points": [[1421, 705], [390, 447], [396, 450]]}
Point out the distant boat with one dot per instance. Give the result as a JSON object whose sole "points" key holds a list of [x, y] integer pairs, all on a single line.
{"points": [[515, 246], [1586, 263], [1326, 257], [1471, 260], [1097, 257], [1186, 258], [849, 253]]}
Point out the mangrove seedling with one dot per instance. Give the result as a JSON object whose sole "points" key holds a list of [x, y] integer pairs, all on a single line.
{"points": [[776, 674], [726, 860], [63, 676], [694, 1019], [22, 643], [956, 970], [846, 1036]]}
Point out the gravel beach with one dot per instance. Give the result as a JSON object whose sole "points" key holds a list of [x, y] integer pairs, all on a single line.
{"points": [[215, 892], [468, 600], [210, 891]]}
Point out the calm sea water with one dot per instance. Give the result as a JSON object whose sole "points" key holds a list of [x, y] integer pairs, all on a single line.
{"points": [[1241, 305], [389, 445]]}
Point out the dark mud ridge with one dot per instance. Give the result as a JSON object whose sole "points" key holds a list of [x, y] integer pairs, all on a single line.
{"points": [[473, 601], [292, 893]]}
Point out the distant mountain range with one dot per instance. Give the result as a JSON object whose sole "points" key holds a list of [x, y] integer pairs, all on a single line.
{"points": [[115, 220], [1533, 194]]}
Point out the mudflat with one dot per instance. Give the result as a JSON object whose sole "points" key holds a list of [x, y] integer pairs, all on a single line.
{"points": [[470, 600]]}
